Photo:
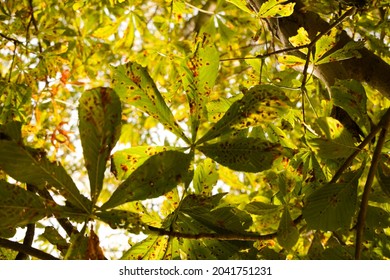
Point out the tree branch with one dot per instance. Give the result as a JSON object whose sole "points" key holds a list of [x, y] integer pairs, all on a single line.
{"points": [[367, 188], [26, 249]]}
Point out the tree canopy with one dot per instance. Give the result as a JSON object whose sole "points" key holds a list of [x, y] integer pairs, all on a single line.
{"points": [[210, 129]]}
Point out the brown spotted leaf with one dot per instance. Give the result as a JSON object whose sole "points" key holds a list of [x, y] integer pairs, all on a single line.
{"points": [[243, 154], [134, 86], [99, 125], [124, 162], [19, 207], [198, 75], [156, 176], [260, 105]]}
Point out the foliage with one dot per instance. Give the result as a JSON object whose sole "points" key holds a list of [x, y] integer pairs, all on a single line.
{"points": [[178, 125]]}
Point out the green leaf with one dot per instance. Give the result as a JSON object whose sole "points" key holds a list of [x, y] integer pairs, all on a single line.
{"points": [[242, 4], [275, 8], [291, 60], [243, 154], [52, 235], [134, 86], [325, 44], [198, 75], [124, 162], [301, 39], [158, 175], [32, 166], [383, 175], [11, 131], [288, 233], [260, 105], [205, 177], [351, 96], [19, 207], [261, 208], [331, 207], [350, 50], [152, 248], [335, 141], [99, 125]]}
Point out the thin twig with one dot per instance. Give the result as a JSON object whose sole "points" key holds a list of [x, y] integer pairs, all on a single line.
{"points": [[26, 249], [217, 236], [367, 188], [220, 236]]}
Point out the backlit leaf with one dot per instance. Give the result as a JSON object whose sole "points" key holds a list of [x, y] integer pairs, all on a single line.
{"points": [[156, 176], [243, 154], [336, 141], [19, 207], [152, 248], [32, 166], [288, 233], [275, 8], [134, 86], [331, 207], [351, 96], [259, 105], [124, 162], [205, 177], [99, 125], [198, 77], [350, 50]]}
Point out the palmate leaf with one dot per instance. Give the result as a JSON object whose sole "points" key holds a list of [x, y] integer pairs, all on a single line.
{"points": [[99, 125], [19, 207], [156, 176], [31, 166], [134, 86], [331, 207], [243, 154], [260, 105]]}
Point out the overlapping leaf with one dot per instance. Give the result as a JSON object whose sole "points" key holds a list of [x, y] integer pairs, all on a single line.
{"points": [[19, 207], [134, 86], [243, 154], [260, 104], [351, 96], [32, 166], [156, 176], [99, 125]]}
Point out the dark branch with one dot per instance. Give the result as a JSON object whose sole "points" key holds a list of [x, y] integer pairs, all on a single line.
{"points": [[26, 249], [367, 188]]}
